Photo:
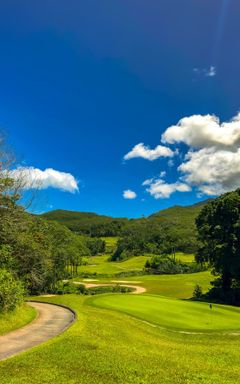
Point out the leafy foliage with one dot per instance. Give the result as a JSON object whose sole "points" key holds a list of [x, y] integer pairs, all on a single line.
{"points": [[11, 292], [169, 266], [219, 232], [87, 223]]}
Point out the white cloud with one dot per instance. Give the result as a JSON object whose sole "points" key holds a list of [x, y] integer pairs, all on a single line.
{"points": [[212, 171], [211, 72], [35, 178], [200, 131], [212, 164], [143, 151], [208, 72], [161, 190], [128, 194]]}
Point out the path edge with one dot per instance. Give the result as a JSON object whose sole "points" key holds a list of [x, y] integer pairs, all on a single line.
{"points": [[74, 319]]}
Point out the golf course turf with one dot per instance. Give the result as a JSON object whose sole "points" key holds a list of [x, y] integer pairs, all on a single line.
{"points": [[106, 346], [144, 339], [16, 319], [173, 314]]}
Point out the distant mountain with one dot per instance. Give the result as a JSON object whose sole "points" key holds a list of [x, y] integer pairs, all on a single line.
{"points": [[87, 223], [179, 219], [181, 222]]}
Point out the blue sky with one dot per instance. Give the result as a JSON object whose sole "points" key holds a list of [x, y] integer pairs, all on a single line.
{"points": [[83, 82]]}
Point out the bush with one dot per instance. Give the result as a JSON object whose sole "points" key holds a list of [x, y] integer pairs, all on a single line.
{"points": [[108, 289], [197, 293], [67, 287], [168, 266], [11, 291]]}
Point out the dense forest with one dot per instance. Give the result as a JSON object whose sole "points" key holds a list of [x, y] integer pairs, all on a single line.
{"points": [[176, 225]]}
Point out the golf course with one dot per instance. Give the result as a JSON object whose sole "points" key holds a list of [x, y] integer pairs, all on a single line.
{"points": [[146, 338]]}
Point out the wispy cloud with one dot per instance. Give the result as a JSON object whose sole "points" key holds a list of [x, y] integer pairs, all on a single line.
{"points": [[207, 72]]}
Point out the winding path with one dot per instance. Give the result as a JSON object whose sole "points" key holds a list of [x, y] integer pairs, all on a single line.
{"points": [[51, 321]]}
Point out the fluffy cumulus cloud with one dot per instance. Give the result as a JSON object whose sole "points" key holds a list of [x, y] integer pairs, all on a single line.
{"points": [[159, 189], [201, 131], [31, 178], [211, 163], [130, 195], [143, 151]]}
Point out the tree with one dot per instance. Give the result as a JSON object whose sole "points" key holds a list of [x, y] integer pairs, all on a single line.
{"points": [[197, 293], [11, 291], [218, 227]]}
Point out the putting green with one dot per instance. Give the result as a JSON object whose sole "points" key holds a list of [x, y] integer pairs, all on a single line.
{"points": [[173, 314]]}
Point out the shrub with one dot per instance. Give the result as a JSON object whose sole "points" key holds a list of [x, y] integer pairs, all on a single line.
{"points": [[197, 293], [11, 291]]}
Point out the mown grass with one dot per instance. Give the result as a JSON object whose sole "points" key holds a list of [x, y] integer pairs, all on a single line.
{"points": [[101, 266], [16, 319], [172, 313], [108, 347], [185, 257], [175, 286], [111, 243]]}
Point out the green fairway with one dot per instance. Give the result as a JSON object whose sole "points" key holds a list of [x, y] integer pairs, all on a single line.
{"points": [[179, 286], [173, 314], [111, 243], [109, 347], [185, 257], [101, 266], [176, 286], [16, 319]]}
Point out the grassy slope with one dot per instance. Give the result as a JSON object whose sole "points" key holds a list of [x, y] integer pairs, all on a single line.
{"points": [[173, 314], [101, 265], [17, 319], [111, 243], [105, 346], [179, 286]]}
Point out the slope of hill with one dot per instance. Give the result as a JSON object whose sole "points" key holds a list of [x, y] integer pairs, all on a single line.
{"points": [[180, 221], [86, 222]]}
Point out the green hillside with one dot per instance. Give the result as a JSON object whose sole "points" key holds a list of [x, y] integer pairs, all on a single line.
{"points": [[181, 222], [178, 220], [87, 223]]}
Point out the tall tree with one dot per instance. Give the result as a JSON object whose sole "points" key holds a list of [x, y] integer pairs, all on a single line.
{"points": [[219, 232]]}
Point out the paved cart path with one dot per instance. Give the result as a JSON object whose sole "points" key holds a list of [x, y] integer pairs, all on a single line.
{"points": [[51, 321]]}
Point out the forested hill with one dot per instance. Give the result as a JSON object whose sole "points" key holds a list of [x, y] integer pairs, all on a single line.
{"points": [[178, 213], [87, 222], [180, 220]]}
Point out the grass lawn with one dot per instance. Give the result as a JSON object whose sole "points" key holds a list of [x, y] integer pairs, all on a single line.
{"points": [[101, 266], [16, 319], [171, 313], [108, 347], [185, 257], [111, 243], [179, 286], [175, 286]]}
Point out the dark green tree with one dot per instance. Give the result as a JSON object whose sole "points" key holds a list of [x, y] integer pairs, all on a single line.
{"points": [[218, 227]]}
